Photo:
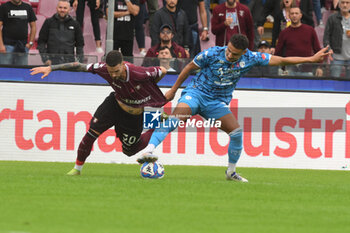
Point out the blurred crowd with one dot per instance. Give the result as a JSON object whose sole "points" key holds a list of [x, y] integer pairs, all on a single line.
{"points": [[171, 30]]}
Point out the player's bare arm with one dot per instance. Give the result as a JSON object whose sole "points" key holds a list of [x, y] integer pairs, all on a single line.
{"points": [[282, 61], [72, 66], [180, 79], [164, 71]]}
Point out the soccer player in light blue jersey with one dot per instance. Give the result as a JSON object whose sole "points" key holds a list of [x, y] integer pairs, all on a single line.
{"points": [[210, 92]]}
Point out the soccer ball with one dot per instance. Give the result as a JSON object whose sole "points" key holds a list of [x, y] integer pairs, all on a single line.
{"points": [[152, 170]]}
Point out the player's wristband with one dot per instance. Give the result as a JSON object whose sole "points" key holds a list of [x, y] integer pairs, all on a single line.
{"points": [[205, 29]]}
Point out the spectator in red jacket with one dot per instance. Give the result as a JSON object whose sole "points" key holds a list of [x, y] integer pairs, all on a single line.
{"points": [[231, 18], [166, 35], [298, 40]]}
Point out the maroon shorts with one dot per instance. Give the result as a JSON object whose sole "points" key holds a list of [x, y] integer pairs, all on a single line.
{"points": [[128, 127]]}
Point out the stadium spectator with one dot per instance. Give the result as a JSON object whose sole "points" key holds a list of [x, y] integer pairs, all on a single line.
{"points": [[316, 4], [337, 36], [124, 24], [190, 7], [139, 28], [307, 10], [298, 40], [264, 71], [165, 58], [15, 16], [207, 9], [94, 5], [281, 21], [177, 19], [166, 35], [256, 8], [280, 15], [271, 7], [60, 35], [232, 17], [134, 88], [210, 92], [152, 7], [264, 47]]}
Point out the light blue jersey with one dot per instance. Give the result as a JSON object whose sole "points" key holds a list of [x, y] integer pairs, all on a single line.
{"points": [[209, 95], [218, 77]]}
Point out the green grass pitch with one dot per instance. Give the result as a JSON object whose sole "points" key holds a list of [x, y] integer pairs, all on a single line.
{"points": [[38, 197]]}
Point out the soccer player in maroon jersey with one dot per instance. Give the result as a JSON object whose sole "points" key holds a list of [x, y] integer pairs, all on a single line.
{"points": [[134, 88]]}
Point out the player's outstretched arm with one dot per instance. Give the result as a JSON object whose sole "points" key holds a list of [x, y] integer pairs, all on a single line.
{"points": [[180, 79], [72, 66], [282, 61]]}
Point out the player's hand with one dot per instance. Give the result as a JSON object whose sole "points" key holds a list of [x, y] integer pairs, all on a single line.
{"points": [[169, 95], [272, 51], [322, 54], [45, 70], [97, 4]]}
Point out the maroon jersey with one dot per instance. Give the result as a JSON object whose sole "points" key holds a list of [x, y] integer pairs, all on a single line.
{"points": [[138, 90]]}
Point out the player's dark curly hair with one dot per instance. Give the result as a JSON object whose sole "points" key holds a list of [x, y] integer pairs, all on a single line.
{"points": [[239, 41], [114, 58]]}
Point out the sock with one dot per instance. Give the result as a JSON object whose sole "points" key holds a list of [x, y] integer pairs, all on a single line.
{"points": [[78, 167], [160, 133], [150, 148], [84, 149], [231, 167], [234, 149]]}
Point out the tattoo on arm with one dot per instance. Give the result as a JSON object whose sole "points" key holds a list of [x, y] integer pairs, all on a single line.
{"points": [[73, 66]]}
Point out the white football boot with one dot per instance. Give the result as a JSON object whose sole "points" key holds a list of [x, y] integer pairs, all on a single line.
{"points": [[235, 176]]}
